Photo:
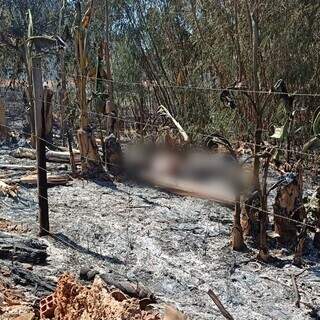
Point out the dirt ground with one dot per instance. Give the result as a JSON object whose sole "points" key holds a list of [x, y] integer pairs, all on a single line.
{"points": [[176, 246]]}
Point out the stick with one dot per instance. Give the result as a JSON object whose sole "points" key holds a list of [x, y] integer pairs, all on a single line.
{"points": [[220, 306], [296, 291], [176, 123]]}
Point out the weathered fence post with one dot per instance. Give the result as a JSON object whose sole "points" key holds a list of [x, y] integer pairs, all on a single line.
{"points": [[41, 145], [37, 46]]}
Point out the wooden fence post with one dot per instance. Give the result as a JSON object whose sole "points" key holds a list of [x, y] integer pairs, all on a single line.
{"points": [[41, 145]]}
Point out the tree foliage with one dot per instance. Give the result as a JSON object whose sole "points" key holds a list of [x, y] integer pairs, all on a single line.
{"points": [[180, 52]]}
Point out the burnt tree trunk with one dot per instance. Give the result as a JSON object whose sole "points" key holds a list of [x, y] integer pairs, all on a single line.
{"points": [[90, 159], [288, 209], [114, 157], [250, 216], [237, 241], [62, 91]]}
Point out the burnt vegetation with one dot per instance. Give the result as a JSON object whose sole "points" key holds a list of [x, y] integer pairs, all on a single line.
{"points": [[167, 152]]}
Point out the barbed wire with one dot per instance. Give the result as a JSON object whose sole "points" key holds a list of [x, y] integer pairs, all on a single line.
{"points": [[95, 255], [204, 135], [195, 88], [149, 84], [146, 124], [69, 245], [115, 165], [236, 202], [123, 119]]}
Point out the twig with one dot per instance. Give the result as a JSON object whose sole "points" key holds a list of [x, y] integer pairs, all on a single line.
{"points": [[296, 290], [300, 273], [176, 123], [276, 281], [220, 306]]}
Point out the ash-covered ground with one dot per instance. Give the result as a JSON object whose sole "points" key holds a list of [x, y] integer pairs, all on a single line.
{"points": [[176, 246]]}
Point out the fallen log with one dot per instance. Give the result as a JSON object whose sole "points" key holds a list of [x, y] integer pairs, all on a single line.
{"points": [[62, 157], [8, 175], [24, 153], [220, 306], [51, 156]]}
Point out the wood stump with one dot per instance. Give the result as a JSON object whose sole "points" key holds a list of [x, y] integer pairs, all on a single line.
{"points": [[237, 239], [301, 242]]}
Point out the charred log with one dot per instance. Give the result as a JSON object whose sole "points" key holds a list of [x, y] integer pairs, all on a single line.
{"points": [[51, 156], [24, 277], [17, 248]]}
